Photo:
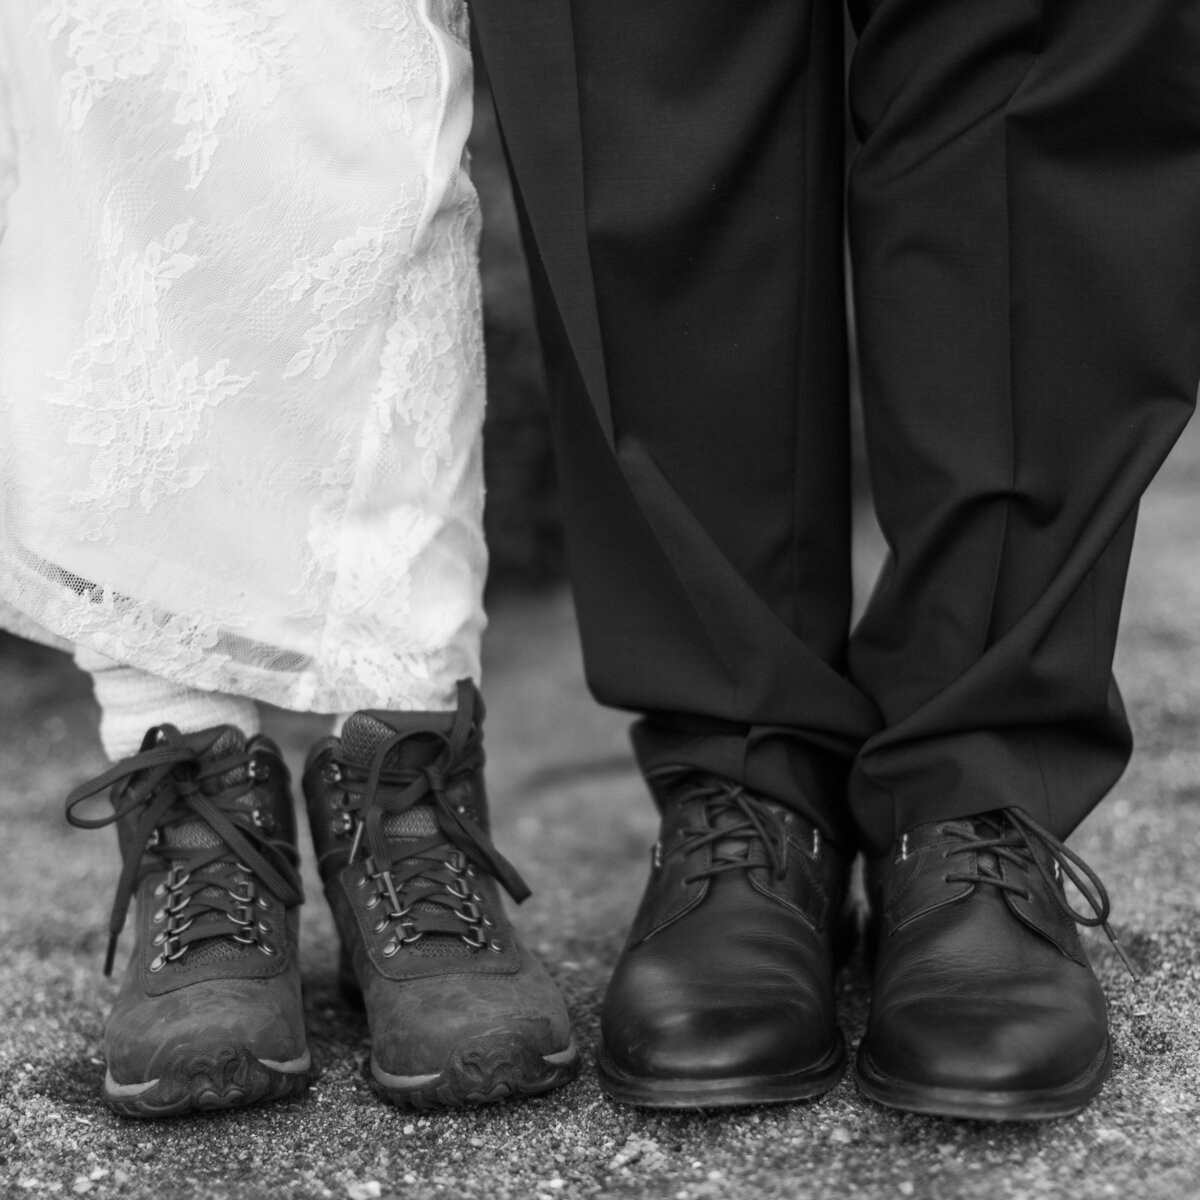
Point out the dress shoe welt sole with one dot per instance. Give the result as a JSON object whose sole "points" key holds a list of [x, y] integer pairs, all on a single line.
{"points": [[722, 1093], [1041, 1104], [201, 1080], [481, 1070]]}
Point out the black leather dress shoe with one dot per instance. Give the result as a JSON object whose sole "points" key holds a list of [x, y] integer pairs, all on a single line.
{"points": [[984, 1004], [723, 994]]}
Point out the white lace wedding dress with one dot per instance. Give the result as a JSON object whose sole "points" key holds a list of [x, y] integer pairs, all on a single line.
{"points": [[241, 380]]}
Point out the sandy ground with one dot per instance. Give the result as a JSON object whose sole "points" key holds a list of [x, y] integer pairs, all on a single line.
{"points": [[571, 812]]}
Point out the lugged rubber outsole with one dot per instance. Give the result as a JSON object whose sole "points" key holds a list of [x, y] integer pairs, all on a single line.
{"points": [[201, 1080], [492, 1066], [738, 1092], [1040, 1104]]}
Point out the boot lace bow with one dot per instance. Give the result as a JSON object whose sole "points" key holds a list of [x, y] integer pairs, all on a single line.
{"points": [[170, 782]]}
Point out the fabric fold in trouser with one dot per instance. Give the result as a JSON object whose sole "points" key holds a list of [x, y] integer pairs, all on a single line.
{"points": [[1025, 233]]}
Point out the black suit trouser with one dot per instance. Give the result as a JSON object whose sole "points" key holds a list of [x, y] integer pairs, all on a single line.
{"points": [[1024, 226]]}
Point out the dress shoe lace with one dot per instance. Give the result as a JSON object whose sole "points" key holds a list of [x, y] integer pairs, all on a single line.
{"points": [[734, 824], [211, 890], [426, 878], [1013, 836]]}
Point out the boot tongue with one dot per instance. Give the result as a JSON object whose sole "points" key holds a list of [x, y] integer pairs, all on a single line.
{"points": [[361, 736], [196, 833], [364, 732]]}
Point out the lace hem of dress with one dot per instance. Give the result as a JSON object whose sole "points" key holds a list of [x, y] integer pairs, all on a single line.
{"points": [[363, 674]]}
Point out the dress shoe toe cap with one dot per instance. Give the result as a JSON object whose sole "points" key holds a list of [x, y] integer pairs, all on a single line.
{"points": [[985, 1046]]}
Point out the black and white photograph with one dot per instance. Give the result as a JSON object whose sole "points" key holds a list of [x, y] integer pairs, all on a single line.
{"points": [[599, 599]]}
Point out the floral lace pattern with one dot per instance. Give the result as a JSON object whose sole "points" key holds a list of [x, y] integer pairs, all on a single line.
{"points": [[203, 51], [241, 363]]}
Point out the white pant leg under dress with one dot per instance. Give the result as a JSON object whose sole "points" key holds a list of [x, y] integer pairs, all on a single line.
{"points": [[241, 367]]}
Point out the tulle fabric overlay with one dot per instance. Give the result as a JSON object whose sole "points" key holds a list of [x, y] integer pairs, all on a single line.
{"points": [[241, 366]]}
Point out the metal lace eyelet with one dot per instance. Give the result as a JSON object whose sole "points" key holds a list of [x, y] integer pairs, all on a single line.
{"points": [[264, 927], [656, 856], [333, 772], [158, 963], [489, 923], [264, 903], [160, 889], [159, 917], [159, 938], [471, 872], [391, 948], [269, 951], [495, 947], [372, 901], [380, 925], [259, 769]]}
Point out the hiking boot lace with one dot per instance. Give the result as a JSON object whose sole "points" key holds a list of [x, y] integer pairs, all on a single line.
{"points": [[172, 782], [1013, 837], [426, 880]]}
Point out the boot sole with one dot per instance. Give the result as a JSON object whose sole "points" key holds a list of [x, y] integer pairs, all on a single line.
{"points": [[482, 1070], [721, 1093], [1034, 1104], [203, 1080]]}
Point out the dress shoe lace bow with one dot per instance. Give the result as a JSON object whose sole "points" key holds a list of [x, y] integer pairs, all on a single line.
{"points": [[176, 779], [429, 871], [735, 823], [1013, 836]]}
